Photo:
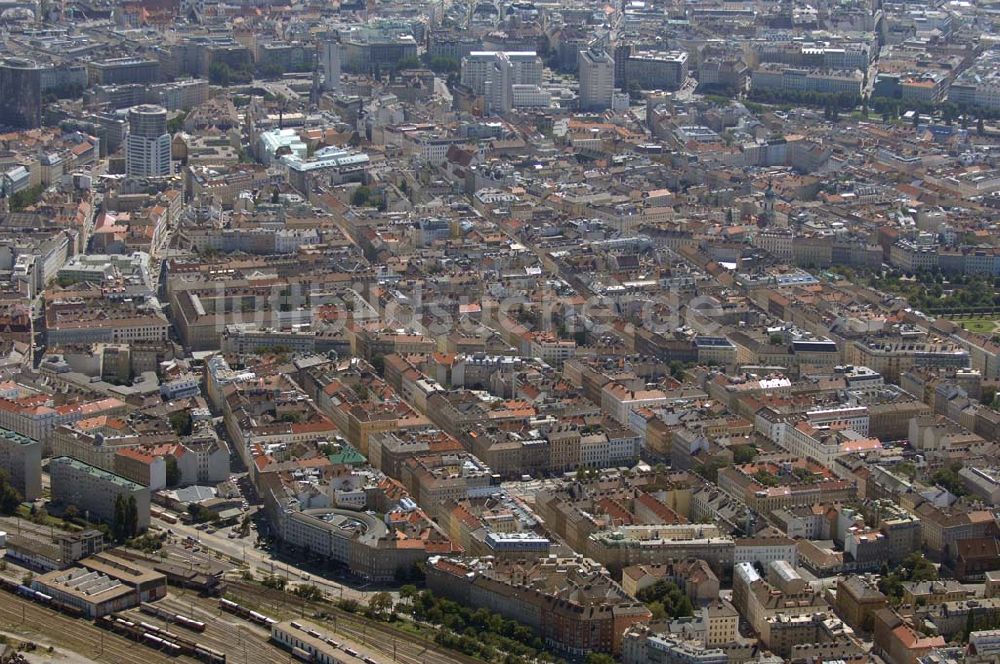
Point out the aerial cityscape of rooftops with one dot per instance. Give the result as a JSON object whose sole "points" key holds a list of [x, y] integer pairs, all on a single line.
{"points": [[500, 331]]}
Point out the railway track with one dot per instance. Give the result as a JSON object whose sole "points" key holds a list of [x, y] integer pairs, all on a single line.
{"points": [[241, 642], [406, 647], [248, 643], [80, 636]]}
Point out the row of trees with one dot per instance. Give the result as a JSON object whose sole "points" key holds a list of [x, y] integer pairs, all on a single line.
{"points": [[274, 70], [125, 524], [477, 632], [843, 101], [219, 73], [926, 291], [890, 108], [441, 64], [949, 112]]}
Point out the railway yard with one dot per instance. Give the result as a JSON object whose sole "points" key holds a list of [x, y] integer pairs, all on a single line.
{"points": [[32, 621], [186, 626]]}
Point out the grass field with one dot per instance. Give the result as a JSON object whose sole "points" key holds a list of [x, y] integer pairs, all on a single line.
{"points": [[979, 325]]}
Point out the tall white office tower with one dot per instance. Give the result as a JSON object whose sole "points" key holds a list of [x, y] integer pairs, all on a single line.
{"points": [[597, 79], [329, 58], [499, 85], [147, 151]]}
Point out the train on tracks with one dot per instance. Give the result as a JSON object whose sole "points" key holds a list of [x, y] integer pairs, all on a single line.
{"points": [[41, 598], [159, 638], [150, 635], [171, 617], [232, 607]]}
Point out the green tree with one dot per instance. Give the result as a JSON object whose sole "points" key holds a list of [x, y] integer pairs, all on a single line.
{"points": [[951, 480], [360, 196], [176, 123], [39, 515], [275, 582], [907, 469], [10, 498], [201, 514], [912, 568], [765, 478], [407, 592], [349, 605], [181, 423], [380, 605], [219, 73], [710, 469], [407, 63], [598, 658], [118, 520], [26, 198], [244, 527], [441, 64], [668, 596], [131, 517], [479, 632], [744, 454], [173, 473], [308, 592], [270, 70]]}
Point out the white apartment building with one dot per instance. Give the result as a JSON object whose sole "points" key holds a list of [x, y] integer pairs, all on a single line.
{"points": [[551, 350], [618, 401], [825, 444], [526, 68], [851, 417], [766, 550], [782, 78], [777, 242], [530, 96], [93, 491], [37, 421]]}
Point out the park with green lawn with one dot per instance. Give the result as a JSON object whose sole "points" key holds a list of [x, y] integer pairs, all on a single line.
{"points": [[986, 325]]}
